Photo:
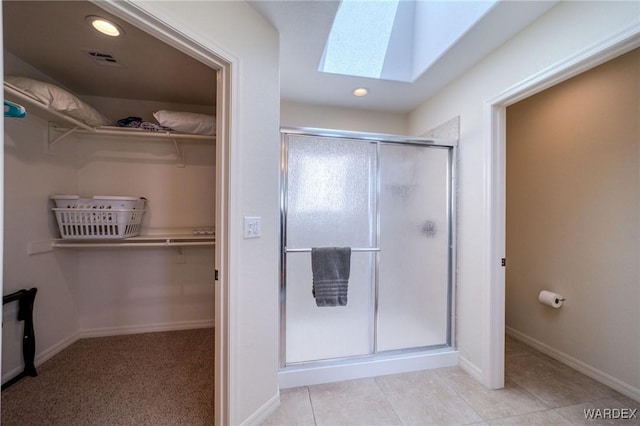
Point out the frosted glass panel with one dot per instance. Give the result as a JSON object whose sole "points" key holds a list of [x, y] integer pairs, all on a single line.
{"points": [[314, 333], [330, 192], [330, 202], [414, 237]]}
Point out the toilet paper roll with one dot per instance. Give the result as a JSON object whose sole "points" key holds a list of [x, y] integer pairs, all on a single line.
{"points": [[550, 299]]}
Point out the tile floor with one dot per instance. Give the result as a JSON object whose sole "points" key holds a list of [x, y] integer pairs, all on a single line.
{"points": [[538, 390]]}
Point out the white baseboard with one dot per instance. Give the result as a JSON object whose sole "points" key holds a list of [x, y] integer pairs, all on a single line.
{"points": [[11, 374], [473, 370], [44, 355], [318, 373], [586, 369], [262, 413], [57, 348], [146, 328]]}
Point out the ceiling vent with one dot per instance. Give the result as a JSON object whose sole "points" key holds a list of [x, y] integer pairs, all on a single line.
{"points": [[103, 59]]}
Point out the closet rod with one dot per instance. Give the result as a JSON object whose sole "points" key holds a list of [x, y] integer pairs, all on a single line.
{"points": [[305, 250]]}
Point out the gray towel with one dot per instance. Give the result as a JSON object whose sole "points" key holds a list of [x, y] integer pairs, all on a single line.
{"points": [[331, 268]]}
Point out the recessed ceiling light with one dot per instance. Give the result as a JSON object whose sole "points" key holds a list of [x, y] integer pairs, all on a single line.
{"points": [[105, 26], [361, 91]]}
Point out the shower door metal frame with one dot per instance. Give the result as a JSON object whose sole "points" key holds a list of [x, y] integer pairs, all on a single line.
{"points": [[379, 139]]}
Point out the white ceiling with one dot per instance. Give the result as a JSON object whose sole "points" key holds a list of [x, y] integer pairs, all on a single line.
{"points": [[305, 25], [53, 37]]}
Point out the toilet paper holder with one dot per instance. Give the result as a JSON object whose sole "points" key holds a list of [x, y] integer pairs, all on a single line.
{"points": [[551, 299]]}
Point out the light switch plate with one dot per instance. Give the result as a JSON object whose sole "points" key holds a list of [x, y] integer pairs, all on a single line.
{"points": [[252, 227]]}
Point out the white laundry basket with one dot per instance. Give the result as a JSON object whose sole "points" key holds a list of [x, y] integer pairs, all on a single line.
{"points": [[100, 217]]}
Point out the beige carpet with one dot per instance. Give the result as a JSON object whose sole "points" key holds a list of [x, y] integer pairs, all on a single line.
{"points": [[142, 379]]}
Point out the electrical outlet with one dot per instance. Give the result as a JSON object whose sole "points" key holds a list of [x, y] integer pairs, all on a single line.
{"points": [[252, 227]]}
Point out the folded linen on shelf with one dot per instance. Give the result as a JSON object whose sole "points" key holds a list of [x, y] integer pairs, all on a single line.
{"points": [[139, 123], [331, 267]]}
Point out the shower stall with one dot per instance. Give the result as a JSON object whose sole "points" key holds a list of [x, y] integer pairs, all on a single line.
{"points": [[391, 200]]}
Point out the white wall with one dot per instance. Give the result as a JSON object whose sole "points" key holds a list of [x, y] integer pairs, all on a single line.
{"points": [[573, 222], [177, 197], [295, 114], [560, 33], [143, 289], [31, 176], [234, 29]]}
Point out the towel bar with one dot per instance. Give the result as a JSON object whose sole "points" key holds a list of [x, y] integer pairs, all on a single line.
{"points": [[303, 250]]}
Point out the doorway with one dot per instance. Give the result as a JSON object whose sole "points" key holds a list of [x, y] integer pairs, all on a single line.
{"points": [[130, 13], [572, 218], [493, 352]]}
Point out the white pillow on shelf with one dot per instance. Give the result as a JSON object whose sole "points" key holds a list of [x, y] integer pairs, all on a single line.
{"points": [[187, 122], [59, 99]]}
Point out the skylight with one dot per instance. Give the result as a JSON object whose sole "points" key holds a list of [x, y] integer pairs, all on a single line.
{"points": [[396, 39], [358, 41]]}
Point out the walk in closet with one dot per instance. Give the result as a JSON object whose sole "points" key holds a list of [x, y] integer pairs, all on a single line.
{"points": [[161, 279]]}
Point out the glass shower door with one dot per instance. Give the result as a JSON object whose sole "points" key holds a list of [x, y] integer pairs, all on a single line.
{"points": [[330, 202], [413, 282]]}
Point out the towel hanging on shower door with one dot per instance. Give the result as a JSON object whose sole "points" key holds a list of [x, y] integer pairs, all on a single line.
{"points": [[331, 267]]}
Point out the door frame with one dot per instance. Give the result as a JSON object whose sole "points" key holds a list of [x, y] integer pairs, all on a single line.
{"points": [[226, 68], [495, 118]]}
